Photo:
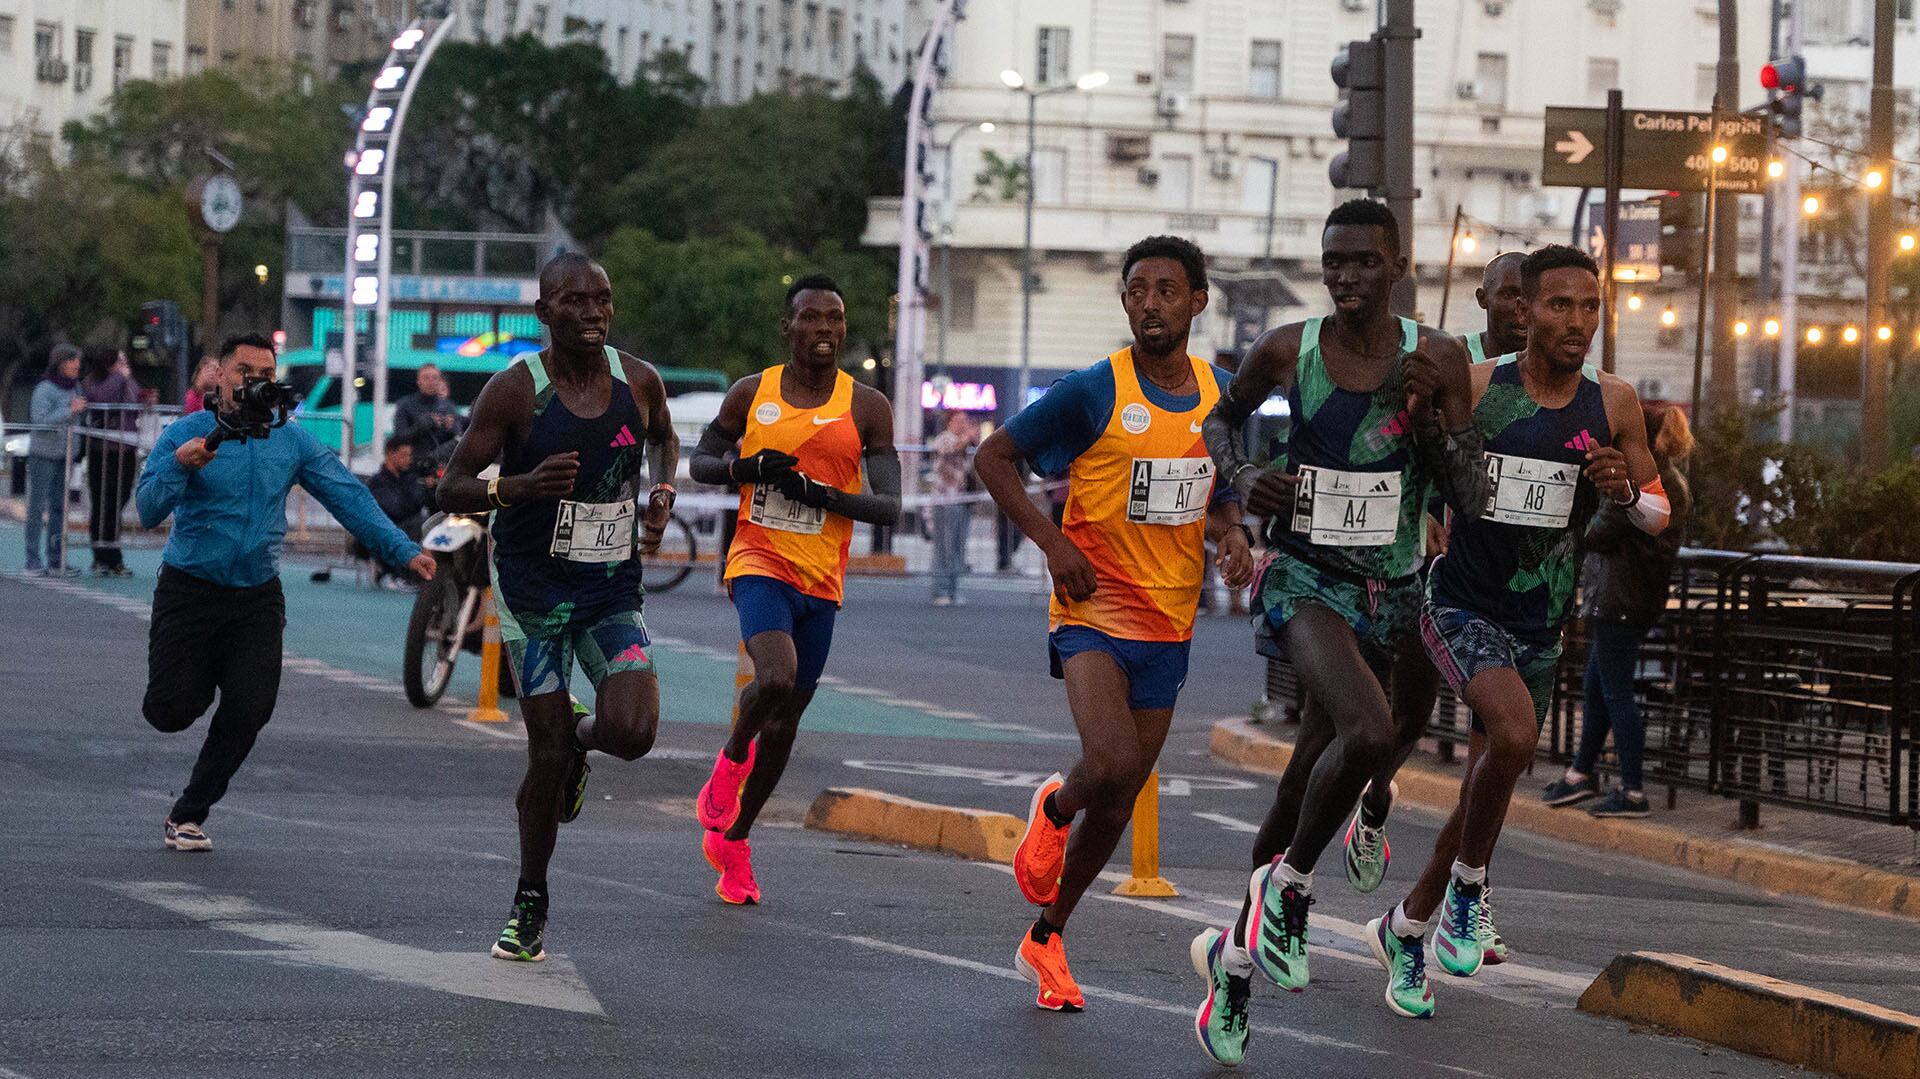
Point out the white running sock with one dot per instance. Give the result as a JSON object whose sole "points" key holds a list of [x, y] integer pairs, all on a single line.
{"points": [[1402, 926], [1302, 882], [1572, 776], [1237, 960], [1467, 874]]}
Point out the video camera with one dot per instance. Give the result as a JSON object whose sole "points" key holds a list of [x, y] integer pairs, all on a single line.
{"points": [[255, 409]]}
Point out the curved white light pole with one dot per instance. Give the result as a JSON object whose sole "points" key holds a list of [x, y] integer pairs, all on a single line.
{"points": [[370, 214]]}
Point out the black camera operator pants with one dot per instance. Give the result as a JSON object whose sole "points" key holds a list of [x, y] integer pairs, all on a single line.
{"points": [[204, 638]]}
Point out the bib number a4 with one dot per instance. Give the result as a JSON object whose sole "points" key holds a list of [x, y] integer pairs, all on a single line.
{"points": [[593, 531], [1531, 492], [1169, 490], [771, 509], [1347, 509]]}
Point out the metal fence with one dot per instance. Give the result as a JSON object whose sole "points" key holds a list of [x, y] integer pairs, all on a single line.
{"points": [[101, 451], [1770, 679]]}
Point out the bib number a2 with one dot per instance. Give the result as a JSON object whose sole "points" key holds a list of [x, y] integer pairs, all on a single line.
{"points": [[771, 509], [1347, 509], [1169, 490], [593, 531], [1531, 492]]}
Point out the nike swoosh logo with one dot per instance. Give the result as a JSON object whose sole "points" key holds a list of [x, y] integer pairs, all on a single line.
{"points": [[818, 422], [1194, 427]]}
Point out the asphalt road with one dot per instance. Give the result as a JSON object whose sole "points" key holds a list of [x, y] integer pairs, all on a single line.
{"points": [[363, 864]]}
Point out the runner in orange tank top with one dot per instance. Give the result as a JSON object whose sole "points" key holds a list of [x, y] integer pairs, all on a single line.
{"points": [[1127, 563], [794, 438]]}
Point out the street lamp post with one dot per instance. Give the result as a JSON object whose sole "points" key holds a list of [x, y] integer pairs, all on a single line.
{"points": [[1013, 80], [946, 242]]}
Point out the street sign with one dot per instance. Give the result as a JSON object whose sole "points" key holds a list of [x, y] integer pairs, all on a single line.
{"points": [[1666, 149], [1637, 258]]}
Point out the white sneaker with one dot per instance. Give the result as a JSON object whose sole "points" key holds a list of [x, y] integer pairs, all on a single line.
{"points": [[187, 837]]}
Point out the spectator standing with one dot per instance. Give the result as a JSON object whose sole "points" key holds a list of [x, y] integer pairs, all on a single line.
{"points": [[427, 418], [952, 516], [56, 405], [206, 379], [1625, 583], [112, 465]]}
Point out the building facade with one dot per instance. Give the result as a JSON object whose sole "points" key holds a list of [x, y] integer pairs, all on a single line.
{"points": [[1215, 124], [61, 59]]}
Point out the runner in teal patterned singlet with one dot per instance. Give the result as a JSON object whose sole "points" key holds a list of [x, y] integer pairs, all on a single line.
{"points": [[1561, 438], [571, 426], [1372, 398]]}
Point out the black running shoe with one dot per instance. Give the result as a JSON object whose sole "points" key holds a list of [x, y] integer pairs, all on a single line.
{"points": [[1618, 803], [1562, 792], [521, 940]]}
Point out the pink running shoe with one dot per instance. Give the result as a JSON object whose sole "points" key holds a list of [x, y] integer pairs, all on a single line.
{"points": [[733, 858], [718, 803]]}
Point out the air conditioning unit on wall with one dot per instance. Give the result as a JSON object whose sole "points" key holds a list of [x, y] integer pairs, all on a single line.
{"points": [[1170, 103], [1221, 168], [1467, 90], [1148, 177]]}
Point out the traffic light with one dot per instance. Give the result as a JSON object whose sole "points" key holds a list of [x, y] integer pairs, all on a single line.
{"points": [[1787, 79], [1680, 232], [1360, 117]]}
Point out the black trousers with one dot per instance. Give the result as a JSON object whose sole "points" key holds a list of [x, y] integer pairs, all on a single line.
{"points": [[111, 470], [206, 638]]}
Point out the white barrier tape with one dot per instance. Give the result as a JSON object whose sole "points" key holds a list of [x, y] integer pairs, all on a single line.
{"points": [[704, 500]]}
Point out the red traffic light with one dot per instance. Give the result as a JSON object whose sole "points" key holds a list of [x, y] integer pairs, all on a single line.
{"points": [[1769, 77], [1786, 76]]}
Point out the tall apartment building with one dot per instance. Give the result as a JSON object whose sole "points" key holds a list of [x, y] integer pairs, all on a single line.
{"points": [[60, 59], [1216, 110]]}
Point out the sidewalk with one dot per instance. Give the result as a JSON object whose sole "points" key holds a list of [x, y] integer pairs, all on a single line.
{"points": [[1874, 867]]}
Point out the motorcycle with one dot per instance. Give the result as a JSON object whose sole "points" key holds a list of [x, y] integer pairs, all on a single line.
{"points": [[447, 618]]}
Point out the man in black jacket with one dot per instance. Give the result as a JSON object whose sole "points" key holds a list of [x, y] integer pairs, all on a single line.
{"points": [[403, 496], [428, 418]]}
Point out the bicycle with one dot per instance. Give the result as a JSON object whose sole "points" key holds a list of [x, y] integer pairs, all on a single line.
{"points": [[663, 570]]}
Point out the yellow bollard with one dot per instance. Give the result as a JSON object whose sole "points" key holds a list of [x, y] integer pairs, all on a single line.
{"points": [[1146, 881], [487, 709]]}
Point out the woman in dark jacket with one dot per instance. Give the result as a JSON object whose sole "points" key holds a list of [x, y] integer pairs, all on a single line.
{"points": [[1624, 583], [111, 462]]}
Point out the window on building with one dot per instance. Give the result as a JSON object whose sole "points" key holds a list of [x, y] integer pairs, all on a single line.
{"points": [[1257, 188], [509, 17], [739, 69], [1050, 176], [1052, 58], [1176, 182], [162, 60], [196, 59], [1603, 74], [82, 60], [46, 42], [538, 24], [6, 35], [1490, 73], [1828, 21], [960, 304], [477, 12], [1263, 69], [1176, 62], [620, 52], [1706, 79], [122, 60], [836, 32], [646, 41]]}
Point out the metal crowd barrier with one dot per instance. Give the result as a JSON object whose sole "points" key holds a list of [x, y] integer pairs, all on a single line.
{"points": [[105, 447], [1770, 679]]}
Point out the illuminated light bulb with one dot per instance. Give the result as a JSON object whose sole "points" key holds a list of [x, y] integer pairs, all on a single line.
{"points": [[1850, 335], [1771, 327], [1810, 205], [1873, 179], [1740, 328], [1634, 302], [1669, 317], [1884, 333], [1468, 242], [1908, 241], [1814, 335], [1719, 155], [1776, 169]]}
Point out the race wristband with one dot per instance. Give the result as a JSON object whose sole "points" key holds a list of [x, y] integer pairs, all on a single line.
{"points": [[493, 494]]}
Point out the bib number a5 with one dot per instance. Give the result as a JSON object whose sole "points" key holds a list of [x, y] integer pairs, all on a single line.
{"points": [[1531, 492], [593, 531], [1347, 509], [771, 509], [1169, 490]]}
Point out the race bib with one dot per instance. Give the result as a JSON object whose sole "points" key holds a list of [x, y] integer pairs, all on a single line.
{"points": [[1531, 492], [1347, 509], [593, 531], [1169, 490], [771, 509]]}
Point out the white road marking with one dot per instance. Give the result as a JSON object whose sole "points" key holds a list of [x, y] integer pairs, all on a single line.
{"points": [[1095, 993], [9, 1073], [1231, 824], [955, 713], [554, 984]]}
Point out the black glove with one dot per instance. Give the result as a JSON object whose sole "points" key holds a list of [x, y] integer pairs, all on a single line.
{"points": [[765, 466], [802, 488]]}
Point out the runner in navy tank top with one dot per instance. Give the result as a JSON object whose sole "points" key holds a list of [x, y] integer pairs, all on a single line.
{"points": [[572, 427], [1563, 441]]}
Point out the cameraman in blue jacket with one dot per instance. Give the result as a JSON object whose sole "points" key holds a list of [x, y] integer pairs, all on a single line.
{"points": [[218, 611]]}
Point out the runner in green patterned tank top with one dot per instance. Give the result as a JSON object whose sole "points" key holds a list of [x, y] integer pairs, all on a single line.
{"points": [[1499, 296]]}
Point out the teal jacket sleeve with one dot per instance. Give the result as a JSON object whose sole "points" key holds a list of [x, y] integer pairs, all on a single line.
{"points": [[163, 479], [344, 496]]}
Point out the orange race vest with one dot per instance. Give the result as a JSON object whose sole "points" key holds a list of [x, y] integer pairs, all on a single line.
{"points": [[1137, 508], [784, 540]]}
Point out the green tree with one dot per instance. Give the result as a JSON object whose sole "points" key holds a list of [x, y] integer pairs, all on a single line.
{"points": [[1748, 491]]}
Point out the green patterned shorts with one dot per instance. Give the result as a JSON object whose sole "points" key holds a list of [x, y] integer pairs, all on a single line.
{"points": [[1385, 615]]}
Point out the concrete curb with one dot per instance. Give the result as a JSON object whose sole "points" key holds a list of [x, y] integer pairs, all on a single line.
{"points": [[1753, 1014], [975, 834], [1240, 742]]}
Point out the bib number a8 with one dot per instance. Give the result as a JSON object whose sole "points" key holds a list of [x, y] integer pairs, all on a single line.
{"points": [[1531, 492], [1169, 490], [1347, 509], [593, 531], [771, 509]]}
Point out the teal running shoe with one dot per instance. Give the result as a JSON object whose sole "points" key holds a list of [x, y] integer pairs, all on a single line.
{"points": [[1221, 1022], [522, 939], [1367, 850], [1277, 928], [1492, 945], [575, 790], [1457, 941], [1405, 961]]}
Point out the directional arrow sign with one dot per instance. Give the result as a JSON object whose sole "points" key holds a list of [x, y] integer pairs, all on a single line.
{"points": [[1576, 146], [1665, 150]]}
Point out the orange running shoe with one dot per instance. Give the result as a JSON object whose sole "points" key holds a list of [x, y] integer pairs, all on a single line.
{"points": [[733, 859], [1042, 852], [718, 803], [1045, 965]]}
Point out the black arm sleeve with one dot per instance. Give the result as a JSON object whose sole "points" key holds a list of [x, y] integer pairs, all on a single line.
{"points": [[1221, 431], [882, 507], [715, 454], [1457, 461]]}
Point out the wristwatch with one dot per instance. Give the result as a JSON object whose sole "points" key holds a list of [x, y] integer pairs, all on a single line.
{"points": [[672, 495]]}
